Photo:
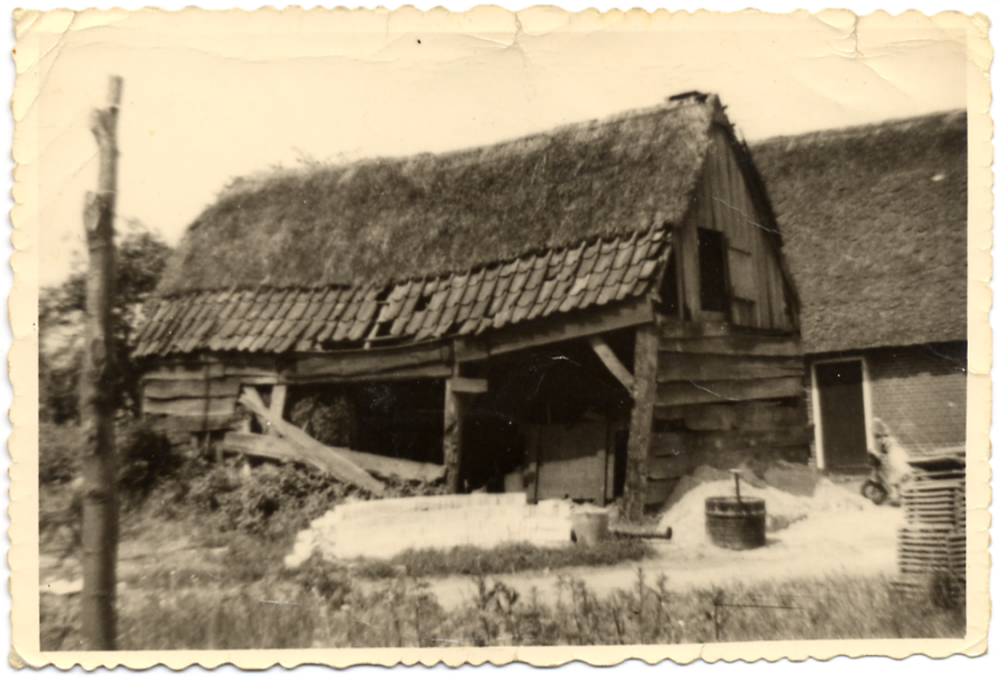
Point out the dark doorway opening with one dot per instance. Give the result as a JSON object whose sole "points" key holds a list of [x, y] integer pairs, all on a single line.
{"points": [[840, 389], [542, 427], [401, 419]]}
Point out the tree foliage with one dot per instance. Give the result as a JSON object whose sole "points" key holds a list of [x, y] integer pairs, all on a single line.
{"points": [[141, 257]]}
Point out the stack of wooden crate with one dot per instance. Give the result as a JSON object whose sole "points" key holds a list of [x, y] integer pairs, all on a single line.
{"points": [[932, 543]]}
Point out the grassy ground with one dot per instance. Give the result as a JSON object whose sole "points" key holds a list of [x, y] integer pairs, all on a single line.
{"points": [[505, 559], [201, 567], [231, 591], [325, 610]]}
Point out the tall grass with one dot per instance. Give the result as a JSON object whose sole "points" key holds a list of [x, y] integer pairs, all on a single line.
{"points": [[325, 610]]}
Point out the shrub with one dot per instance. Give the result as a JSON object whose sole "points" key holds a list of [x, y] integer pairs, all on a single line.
{"points": [[141, 257], [145, 459], [279, 499], [273, 501], [207, 492], [59, 453]]}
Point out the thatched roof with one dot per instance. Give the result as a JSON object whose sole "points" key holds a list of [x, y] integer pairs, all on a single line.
{"points": [[874, 221], [390, 220]]}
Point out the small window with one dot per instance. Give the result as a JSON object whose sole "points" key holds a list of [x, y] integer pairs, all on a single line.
{"points": [[712, 271], [669, 300]]}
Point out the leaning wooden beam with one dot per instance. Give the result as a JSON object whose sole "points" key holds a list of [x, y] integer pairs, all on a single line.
{"points": [[612, 362], [268, 447], [334, 464], [278, 395], [388, 467], [282, 449]]}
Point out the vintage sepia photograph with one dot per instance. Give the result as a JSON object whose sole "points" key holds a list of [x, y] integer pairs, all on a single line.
{"points": [[592, 335]]}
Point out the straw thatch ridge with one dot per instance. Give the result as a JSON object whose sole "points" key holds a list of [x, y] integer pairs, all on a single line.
{"points": [[874, 221], [387, 220]]}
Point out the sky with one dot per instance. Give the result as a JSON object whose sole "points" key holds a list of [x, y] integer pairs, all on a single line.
{"points": [[208, 98]]}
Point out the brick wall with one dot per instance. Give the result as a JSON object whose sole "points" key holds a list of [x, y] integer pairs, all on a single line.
{"points": [[918, 391]]}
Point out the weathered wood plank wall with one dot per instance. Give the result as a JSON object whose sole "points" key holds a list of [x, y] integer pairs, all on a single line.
{"points": [[725, 396], [723, 203], [727, 391], [197, 395]]}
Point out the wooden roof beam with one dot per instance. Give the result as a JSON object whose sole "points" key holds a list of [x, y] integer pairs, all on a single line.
{"points": [[413, 361], [611, 361], [591, 322], [467, 385]]}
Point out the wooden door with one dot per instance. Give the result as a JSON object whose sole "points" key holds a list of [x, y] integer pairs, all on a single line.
{"points": [[568, 460], [840, 389]]}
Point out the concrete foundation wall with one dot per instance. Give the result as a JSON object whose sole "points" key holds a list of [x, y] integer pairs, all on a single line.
{"points": [[383, 528]]}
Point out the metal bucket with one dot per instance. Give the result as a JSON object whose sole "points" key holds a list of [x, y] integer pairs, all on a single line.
{"points": [[735, 523], [590, 527]]}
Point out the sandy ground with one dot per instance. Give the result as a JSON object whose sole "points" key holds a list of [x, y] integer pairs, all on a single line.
{"points": [[835, 532], [844, 536]]}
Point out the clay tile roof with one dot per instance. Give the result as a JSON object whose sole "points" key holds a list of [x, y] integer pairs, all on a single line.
{"points": [[253, 321]]}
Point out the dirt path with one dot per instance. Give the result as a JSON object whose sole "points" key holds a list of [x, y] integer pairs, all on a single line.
{"points": [[858, 544]]}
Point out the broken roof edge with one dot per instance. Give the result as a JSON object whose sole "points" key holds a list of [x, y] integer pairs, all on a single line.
{"points": [[593, 275]]}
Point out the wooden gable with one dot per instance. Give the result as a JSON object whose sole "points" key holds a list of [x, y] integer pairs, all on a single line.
{"points": [[749, 268]]}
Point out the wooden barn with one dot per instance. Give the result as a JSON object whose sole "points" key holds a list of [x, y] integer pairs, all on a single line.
{"points": [[875, 225], [585, 313]]}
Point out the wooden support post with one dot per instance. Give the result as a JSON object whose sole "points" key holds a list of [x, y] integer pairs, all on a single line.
{"points": [[612, 362], [454, 412], [641, 424], [277, 408], [679, 275], [686, 250], [99, 530]]}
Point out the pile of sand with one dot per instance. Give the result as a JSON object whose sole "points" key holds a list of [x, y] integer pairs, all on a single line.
{"points": [[685, 510]]}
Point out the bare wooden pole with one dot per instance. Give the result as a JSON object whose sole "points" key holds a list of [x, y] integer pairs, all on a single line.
{"points": [[97, 401]]}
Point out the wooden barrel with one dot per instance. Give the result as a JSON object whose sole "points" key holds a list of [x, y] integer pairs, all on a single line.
{"points": [[736, 524]]}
